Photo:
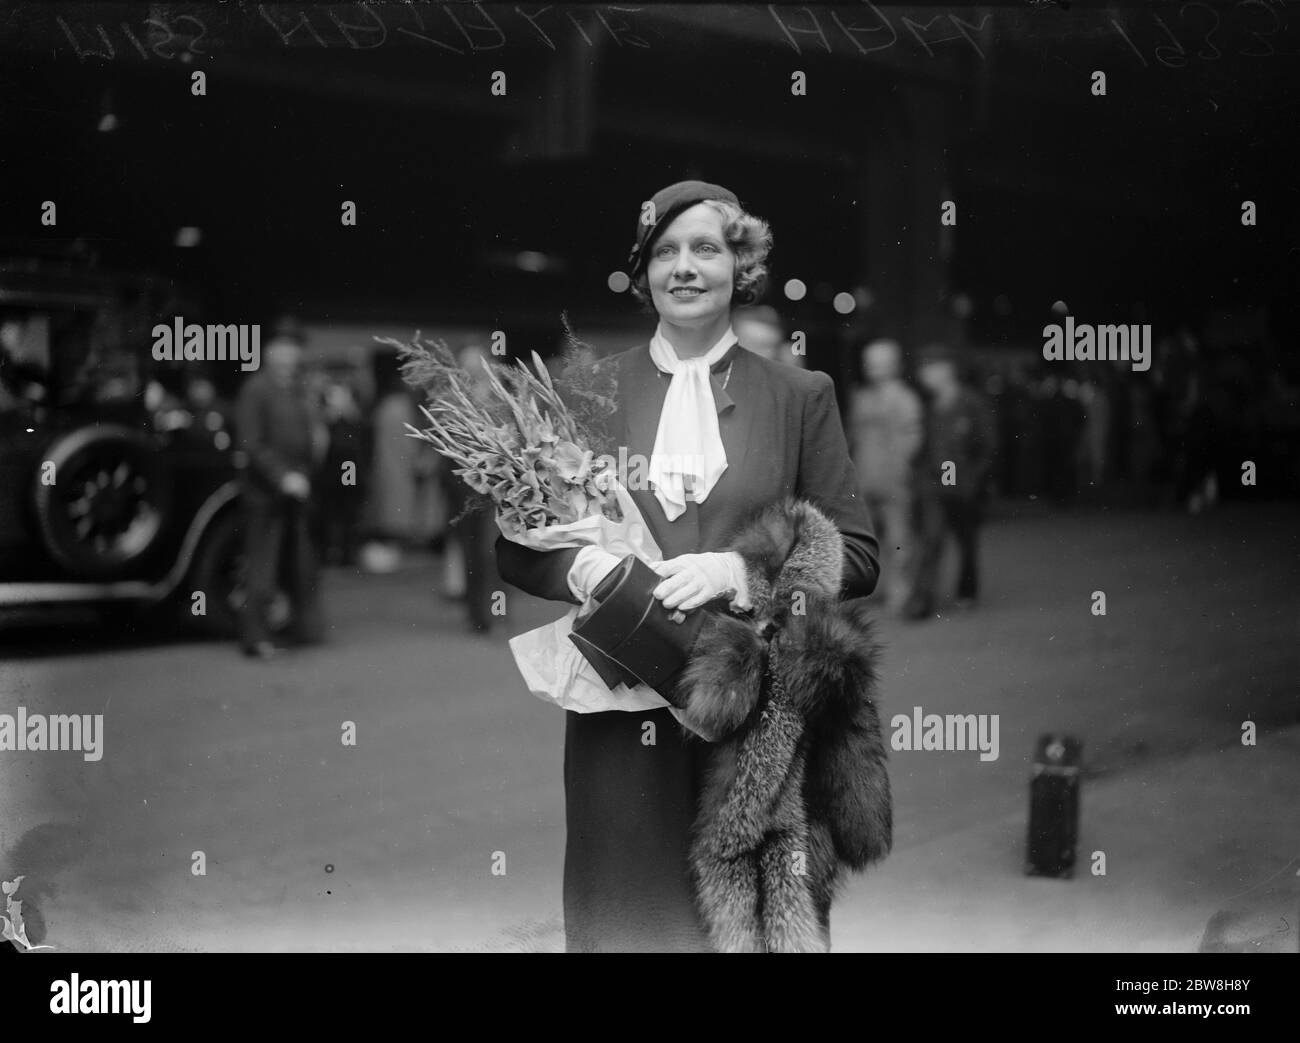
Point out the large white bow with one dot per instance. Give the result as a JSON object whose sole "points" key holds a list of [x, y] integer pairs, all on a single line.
{"points": [[688, 455]]}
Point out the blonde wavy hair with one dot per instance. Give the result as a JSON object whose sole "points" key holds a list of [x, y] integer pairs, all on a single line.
{"points": [[748, 237]]}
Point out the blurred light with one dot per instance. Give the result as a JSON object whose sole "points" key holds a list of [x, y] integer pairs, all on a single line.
{"points": [[221, 440], [214, 421], [795, 290], [153, 396], [1060, 308], [864, 297], [188, 236], [532, 261], [962, 305], [618, 282], [522, 260], [1002, 304], [844, 303], [107, 117]]}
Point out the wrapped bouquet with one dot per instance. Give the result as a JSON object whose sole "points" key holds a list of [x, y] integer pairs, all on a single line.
{"points": [[539, 452]]}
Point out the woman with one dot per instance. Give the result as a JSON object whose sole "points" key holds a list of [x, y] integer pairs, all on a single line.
{"points": [[726, 432], [390, 501]]}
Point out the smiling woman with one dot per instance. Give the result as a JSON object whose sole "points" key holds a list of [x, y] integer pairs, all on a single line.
{"points": [[728, 433], [711, 257]]}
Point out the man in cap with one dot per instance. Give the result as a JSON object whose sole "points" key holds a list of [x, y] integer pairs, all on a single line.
{"points": [[952, 479], [283, 439], [761, 330]]}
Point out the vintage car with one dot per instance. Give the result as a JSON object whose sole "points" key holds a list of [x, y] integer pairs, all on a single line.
{"points": [[118, 475]]}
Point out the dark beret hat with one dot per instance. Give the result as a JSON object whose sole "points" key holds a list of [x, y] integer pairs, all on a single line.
{"points": [[668, 203]]}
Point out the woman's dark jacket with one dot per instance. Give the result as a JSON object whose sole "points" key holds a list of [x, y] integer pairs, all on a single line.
{"points": [[781, 429], [796, 790]]}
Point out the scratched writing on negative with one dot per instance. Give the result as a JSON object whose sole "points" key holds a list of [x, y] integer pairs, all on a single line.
{"points": [[1163, 32], [1170, 36], [459, 29], [873, 31], [1176, 37]]}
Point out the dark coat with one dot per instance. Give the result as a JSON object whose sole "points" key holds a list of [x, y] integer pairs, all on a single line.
{"points": [[781, 429], [797, 787], [964, 434], [274, 429], [630, 809]]}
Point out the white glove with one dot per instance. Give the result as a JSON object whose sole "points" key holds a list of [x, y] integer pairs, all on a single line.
{"points": [[692, 580], [591, 565]]}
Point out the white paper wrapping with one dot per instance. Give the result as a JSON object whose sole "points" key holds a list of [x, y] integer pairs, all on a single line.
{"points": [[556, 671], [550, 663]]}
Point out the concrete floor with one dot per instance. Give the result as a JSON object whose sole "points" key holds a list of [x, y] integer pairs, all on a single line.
{"points": [[389, 845]]}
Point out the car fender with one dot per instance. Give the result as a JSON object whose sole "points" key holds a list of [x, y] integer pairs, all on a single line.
{"points": [[35, 593]]}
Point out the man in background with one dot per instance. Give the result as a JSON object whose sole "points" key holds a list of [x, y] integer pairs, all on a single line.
{"points": [[283, 440], [952, 479], [885, 427], [760, 329]]}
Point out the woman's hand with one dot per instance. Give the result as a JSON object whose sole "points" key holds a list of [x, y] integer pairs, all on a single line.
{"points": [[591, 565], [692, 580]]}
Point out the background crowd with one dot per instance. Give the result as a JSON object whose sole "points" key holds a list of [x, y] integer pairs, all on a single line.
{"points": [[940, 437]]}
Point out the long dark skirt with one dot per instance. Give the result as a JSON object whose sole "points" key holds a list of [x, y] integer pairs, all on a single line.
{"points": [[628, 810]]}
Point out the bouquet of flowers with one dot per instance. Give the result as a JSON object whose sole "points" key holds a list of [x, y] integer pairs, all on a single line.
{"points": [[540, 452], [514, 442]]}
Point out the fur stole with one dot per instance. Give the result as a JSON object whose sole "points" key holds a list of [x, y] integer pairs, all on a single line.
{"points": [[797, 789]]}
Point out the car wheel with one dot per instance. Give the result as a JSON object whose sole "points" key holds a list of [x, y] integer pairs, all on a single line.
{"points": [[109, 501], [218, 573]]}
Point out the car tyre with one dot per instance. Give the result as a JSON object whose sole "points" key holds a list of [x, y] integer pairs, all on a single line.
{"points": [[109, 502]]}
